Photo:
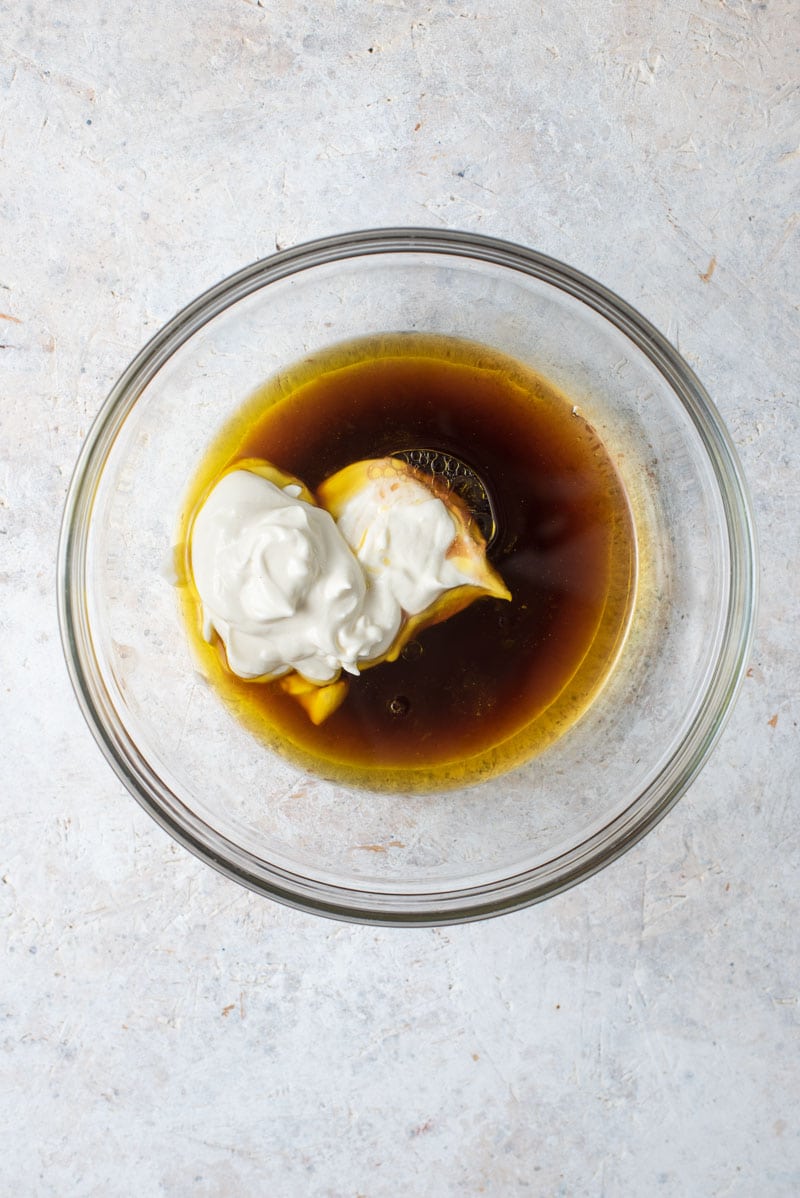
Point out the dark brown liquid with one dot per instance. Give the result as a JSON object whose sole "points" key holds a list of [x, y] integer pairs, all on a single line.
{"points": [[492, 685]]}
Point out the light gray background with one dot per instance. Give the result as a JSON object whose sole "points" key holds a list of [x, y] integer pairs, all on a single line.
{"points": [[168, 1033]]}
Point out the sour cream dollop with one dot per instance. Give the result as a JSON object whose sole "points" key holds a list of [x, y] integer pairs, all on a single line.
{"points": [[401, 535], [280, 586]]}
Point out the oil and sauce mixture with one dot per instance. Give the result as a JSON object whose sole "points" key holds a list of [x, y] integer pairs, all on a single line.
{"points": [[488, 688]]}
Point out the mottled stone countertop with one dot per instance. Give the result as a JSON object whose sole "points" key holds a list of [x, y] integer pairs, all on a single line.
{"points": [[166, 1032]]}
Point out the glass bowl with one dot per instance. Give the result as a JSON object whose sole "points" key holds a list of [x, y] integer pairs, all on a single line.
{"points": [[404, 858]]}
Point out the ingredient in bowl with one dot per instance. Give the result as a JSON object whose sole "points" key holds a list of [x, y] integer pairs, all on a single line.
{"points": [[414, 538], [279, 584], [286, 588]]}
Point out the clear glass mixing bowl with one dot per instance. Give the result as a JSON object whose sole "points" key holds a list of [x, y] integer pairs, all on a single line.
{"points": [[389, 858]]}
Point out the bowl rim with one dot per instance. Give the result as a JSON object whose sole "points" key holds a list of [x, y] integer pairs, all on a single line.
{"points": [[357, 904]]}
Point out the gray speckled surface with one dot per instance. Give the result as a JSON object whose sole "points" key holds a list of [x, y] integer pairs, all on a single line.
{"points": [[165, 1031]]}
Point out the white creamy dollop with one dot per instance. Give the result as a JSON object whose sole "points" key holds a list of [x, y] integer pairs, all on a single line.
{"points": [[280, 586], [401, 534]]}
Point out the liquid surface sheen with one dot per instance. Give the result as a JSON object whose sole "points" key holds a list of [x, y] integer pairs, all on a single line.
{"points": [[490, 687]]}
